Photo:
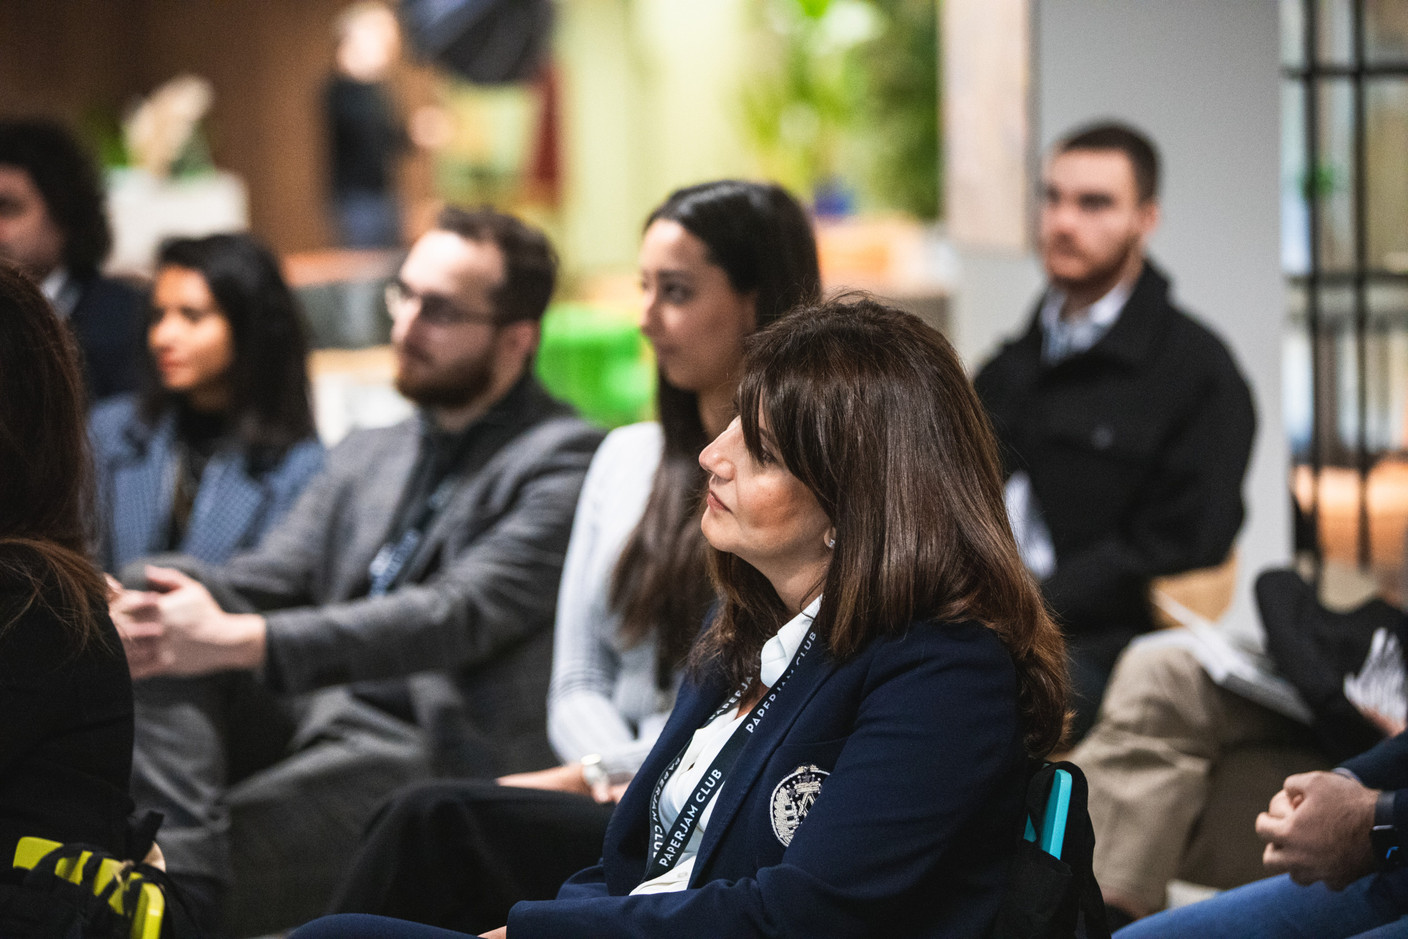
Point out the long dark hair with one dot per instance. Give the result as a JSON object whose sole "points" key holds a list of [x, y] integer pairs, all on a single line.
{"points": [[270, 406], [45, 468], [871, 410], [69, 183], [762, 239]]}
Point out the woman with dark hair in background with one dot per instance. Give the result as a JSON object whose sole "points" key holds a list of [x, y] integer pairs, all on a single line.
{"points": [[221, 440], [65, 695], [848, 754], [718, 260]]}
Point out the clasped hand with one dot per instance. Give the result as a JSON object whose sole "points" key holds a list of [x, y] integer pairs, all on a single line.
{"points": [[177, 628], [1317, 828]]}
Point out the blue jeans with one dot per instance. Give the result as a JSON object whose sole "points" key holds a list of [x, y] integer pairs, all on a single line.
{"points": [[1278, 908]]}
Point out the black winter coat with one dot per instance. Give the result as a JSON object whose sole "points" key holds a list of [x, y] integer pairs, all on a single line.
{"points": [[1136, 449]]}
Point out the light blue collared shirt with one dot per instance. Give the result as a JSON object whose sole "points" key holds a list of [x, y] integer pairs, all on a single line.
{"points": [[1064, 337]]}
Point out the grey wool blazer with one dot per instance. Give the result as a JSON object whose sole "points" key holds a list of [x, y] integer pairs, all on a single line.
{"points": [[471, 622]]}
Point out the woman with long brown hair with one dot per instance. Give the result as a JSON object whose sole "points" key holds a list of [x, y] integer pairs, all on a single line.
{"points": [[848, 756], [65, 694]]}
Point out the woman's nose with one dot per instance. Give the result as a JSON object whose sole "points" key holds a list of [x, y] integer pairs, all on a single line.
{"points": [[649, 314], [715, 457], [161, 331]]}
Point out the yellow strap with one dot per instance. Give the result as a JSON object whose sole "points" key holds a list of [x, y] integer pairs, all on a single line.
{"points": [[151, 902]]}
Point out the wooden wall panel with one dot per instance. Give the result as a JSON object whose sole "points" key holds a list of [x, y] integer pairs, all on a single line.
{"points": [[267, 60]]}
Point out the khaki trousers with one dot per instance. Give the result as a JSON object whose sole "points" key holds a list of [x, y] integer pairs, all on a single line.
{"points": [[1162, 730]]}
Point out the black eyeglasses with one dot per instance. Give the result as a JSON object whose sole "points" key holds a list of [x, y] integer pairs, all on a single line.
{"points": [[435, 310]]}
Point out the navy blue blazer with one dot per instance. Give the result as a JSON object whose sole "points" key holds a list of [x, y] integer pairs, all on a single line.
{"points": [[233, 508], [910, 835]]}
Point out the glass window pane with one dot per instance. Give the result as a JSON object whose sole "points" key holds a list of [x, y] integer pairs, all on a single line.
{"points": [[1335, 39], [1293, 33], [1296, 400], [1313, 407], [1346, 373], [1386, 390], [1385, 31], [1332, 179], [1386, 141], [1387, 366], [1295, 214]]}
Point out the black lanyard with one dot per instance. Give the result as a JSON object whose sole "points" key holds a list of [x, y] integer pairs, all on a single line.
{"points": [[390, 562], [666, 849]]}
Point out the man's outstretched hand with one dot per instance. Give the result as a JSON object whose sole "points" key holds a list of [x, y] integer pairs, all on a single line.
{"points": [[177, 628]]}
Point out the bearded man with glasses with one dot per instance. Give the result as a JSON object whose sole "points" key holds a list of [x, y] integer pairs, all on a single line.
{"points": [[396, 623]]}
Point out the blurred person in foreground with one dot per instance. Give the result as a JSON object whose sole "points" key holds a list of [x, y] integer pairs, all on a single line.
{"points": [[65, 695], [1337, 839]]}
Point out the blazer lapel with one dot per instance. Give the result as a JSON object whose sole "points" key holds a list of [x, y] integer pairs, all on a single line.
{"points": [[496, 447], [375, 506], [451, 519], [811, 673], [227, 505], [628, 834], [141, 491]]}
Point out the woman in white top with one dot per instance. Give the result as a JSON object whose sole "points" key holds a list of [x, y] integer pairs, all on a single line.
{"points": [[718, 260]]}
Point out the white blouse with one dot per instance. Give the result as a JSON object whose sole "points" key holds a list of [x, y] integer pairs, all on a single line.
{"points": [[705, 745]]}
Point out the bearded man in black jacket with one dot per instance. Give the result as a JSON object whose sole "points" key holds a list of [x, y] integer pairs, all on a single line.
{"points": [[1125, 425]]}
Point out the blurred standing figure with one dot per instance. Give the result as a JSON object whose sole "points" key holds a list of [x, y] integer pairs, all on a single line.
{"points": [[52, 224], [1125, 424], [365, 135], [221, 439]]}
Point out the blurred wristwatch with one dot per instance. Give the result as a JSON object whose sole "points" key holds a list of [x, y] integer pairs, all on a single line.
{"points": [[1384, 835]]}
